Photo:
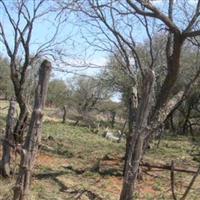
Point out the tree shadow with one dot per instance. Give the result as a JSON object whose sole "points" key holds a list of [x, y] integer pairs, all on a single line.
{"points": [[75, 192]]}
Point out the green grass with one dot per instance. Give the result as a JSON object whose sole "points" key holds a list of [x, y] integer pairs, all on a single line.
{"points": [[173, 148], [68, 149], [80, 141]]}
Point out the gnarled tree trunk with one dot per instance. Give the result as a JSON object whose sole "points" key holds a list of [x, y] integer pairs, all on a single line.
{"points": [[8, 140], [136, 144], [132, 106], [33, 138]]}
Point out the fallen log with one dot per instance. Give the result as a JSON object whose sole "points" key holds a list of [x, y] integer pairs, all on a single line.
{"points": [[166, 167]]}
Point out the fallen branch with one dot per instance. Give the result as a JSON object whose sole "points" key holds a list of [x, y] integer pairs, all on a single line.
{"points": [[166, 167]]}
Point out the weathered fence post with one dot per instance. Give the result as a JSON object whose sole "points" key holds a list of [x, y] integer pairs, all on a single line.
{"points": [[33, 138]]}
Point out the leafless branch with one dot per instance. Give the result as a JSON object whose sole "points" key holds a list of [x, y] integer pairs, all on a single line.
{"points": [[194, 18], [154, 12]]}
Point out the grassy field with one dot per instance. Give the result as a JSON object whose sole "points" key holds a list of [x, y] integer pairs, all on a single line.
{"points": [[77, 164]]}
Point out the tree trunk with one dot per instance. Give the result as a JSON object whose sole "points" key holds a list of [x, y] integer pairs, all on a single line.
{"points": [[33, 138], [17, 129], [132, 106], [14, 132], [186, 120], [113, 115], [21, 123], [5, 163], [173, 66], [18, 81], [64, 114], [135, 150]]}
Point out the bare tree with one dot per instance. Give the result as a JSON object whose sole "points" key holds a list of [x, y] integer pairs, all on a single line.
{"points": [[174, 45], [21, 16], [33, 139], [114, 22]]}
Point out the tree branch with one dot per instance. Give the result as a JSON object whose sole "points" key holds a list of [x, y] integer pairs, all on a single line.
{"points": [[155, 13]]}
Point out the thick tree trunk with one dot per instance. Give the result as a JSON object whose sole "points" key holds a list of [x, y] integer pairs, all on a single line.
{"points": [[33, 138], [5, 163], [135, 150], [132, 106], [173, 66], [128, 139]]}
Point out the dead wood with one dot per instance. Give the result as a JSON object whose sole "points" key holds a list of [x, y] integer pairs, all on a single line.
{"points": [[166, 167]]}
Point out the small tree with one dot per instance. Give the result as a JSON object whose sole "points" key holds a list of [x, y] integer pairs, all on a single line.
{"points": [[58, 93], [86, 93]]}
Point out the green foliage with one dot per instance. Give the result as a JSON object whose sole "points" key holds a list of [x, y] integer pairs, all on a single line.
{"points": [[119, 79], [77, 148], [87, 92], [116, 76], [57, 93], [79, 141]]}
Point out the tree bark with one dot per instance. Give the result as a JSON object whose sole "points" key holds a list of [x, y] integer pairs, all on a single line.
{"points": [[5, 163], [173, 66], [21, 123], [135, 150], [186, 120], [64, 114], [33, 138], [131, 117], [18, 81], [113, 115], [17, 129]]}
